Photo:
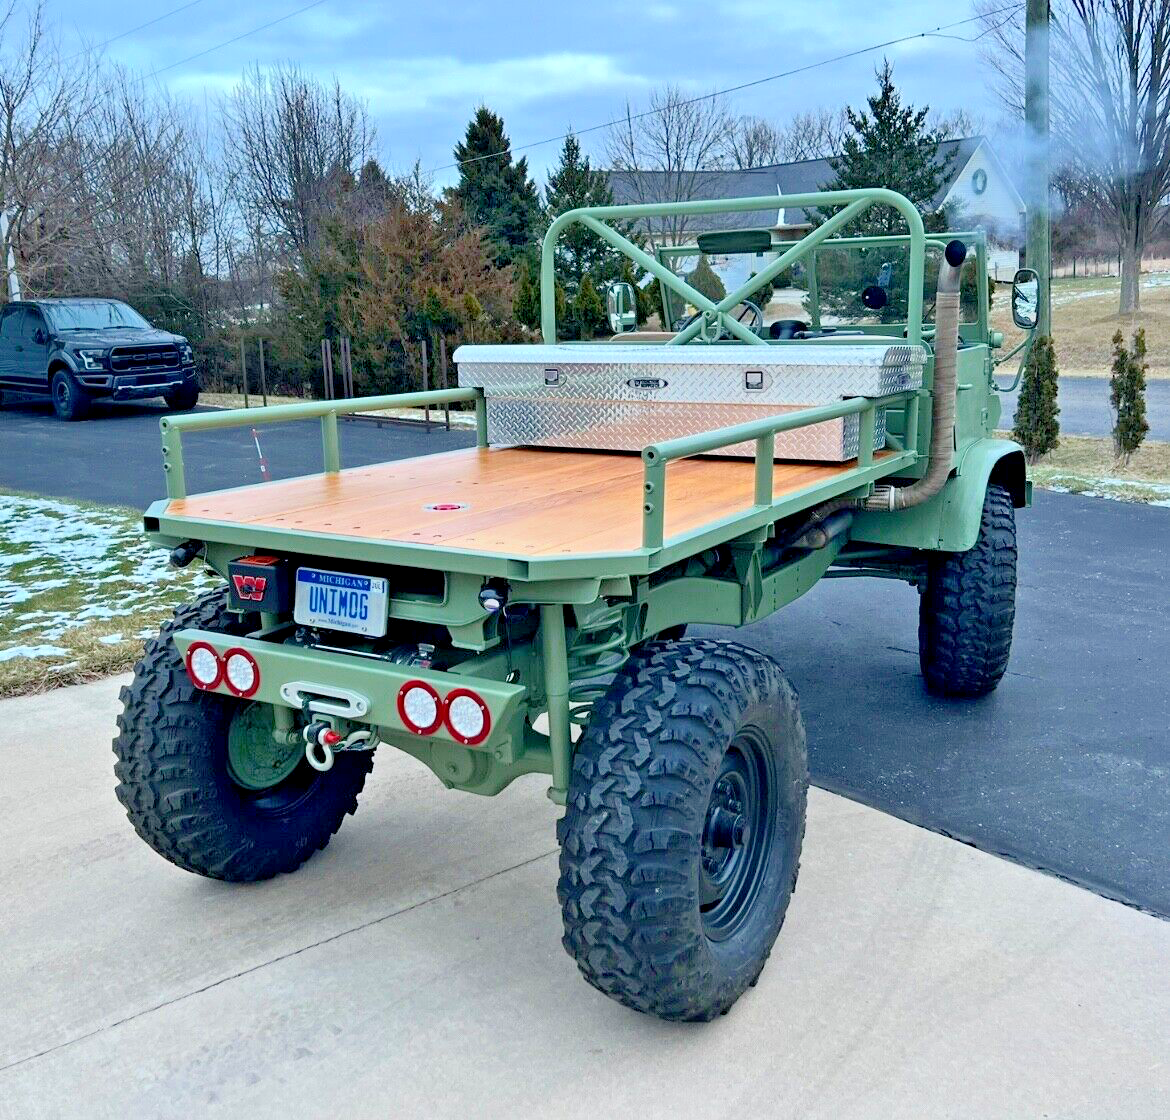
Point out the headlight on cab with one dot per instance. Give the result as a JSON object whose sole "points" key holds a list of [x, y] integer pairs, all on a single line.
{"points": [[186, 354]]}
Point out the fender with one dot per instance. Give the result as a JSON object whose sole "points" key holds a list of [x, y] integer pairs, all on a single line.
{"points": [[949, 522]]}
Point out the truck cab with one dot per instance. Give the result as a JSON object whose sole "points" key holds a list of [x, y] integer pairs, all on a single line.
{"points": [[78, 350]]}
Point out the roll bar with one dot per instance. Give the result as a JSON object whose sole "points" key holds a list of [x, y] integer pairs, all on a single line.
{"points": [[714, 317]]}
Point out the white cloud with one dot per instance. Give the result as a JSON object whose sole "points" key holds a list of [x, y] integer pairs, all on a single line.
{"points": [[402, 86]]}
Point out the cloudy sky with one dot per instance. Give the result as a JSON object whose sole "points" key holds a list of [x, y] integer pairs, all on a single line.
{"points": [[546, 66]]}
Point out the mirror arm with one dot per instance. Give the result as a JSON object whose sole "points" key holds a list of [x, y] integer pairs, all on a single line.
{"points": [[1026, 347]]}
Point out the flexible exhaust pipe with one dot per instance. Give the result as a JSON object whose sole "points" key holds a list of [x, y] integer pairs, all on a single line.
{"points": [[887, 499], [942, 428]]}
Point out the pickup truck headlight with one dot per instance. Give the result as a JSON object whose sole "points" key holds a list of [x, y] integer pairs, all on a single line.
{"points": [[186, 354], [92, 359]]}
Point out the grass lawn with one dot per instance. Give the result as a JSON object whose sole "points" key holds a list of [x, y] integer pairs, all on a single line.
{"points": [[1085, 465], [80, 588], [1085, 318]]}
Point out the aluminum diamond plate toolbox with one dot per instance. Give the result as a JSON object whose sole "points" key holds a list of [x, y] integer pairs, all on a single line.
{"points": [[624, 396]]}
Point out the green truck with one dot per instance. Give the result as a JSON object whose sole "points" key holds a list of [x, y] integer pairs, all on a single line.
{"points": [[521, 606]]}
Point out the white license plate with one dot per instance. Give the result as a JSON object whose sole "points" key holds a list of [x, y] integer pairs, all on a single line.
{"points": [[337, 601]]}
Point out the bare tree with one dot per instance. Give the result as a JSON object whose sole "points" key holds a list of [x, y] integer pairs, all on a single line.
{"points": [[296, 145], [1110, 111], [41, 105], [668, 153], [814, 134], [753, 142]]}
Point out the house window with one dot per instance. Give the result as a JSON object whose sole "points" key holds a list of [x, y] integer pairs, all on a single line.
{"points": [[979, 181]]}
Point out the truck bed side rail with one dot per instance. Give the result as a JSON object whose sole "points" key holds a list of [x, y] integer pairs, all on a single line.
{"points": [[656, 456], [173, 427]]}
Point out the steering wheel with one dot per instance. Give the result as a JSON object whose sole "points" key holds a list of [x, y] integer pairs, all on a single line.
{"points": [[750, 309]]}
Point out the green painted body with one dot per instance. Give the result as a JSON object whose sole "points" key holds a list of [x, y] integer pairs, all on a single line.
{"points": [[577, 617]]}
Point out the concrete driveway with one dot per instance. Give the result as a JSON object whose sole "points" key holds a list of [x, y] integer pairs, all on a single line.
{"points": [[414, 969]]}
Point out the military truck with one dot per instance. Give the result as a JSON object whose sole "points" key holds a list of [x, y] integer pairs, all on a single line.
{"points": [[521, 607]]}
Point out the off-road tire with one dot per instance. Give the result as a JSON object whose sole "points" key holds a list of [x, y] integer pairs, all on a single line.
{"points": [[632, 836], [968, 607], [70, 400], [183, 398], [174, 782]]}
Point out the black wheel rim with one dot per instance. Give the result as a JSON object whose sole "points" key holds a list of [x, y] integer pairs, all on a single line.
{"points": [[61, 391], [291, 787], [739, 830]]}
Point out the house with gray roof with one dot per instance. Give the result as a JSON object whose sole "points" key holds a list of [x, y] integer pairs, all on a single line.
{"points": [[978, 191]]}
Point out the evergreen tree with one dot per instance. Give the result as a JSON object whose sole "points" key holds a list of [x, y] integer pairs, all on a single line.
{"points": [[1036, 428], [527, 305], [1127, 395], [704, 279], [889, 145], [494, 191], [588, 310], [574, 183]]}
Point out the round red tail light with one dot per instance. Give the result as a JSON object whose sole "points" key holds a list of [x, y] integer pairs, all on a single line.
{"points": [[241, 674], [420, 707], [203, 665], [467, 716]]}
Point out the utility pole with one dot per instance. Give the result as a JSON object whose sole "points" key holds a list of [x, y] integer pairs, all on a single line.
{"points": [[1038, 158]]}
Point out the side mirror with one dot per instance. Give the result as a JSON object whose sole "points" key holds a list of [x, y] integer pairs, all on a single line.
{"points": [[621, 305], [1026, 299], [40, 338]]}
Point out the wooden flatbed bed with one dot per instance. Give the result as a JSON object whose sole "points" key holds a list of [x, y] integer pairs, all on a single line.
{"points": [[516, 501]]}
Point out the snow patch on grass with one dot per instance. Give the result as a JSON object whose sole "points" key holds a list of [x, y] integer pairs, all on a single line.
{"points": [[74, 581]]}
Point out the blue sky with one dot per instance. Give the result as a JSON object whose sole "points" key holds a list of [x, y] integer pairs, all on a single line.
{"points": [[424, 66]]}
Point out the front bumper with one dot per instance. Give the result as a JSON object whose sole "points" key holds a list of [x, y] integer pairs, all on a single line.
{"points": [[135, 386], [365, 691]]}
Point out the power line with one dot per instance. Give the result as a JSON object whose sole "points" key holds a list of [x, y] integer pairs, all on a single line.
{"points": [[936, 31], [132, 30], [236, 39]]}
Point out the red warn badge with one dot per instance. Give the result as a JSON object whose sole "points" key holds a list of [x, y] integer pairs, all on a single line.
{"points": [[249, 588]]}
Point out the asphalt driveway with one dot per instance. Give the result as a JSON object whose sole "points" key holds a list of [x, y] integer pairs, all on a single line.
{"points": [[1084, 407], [115, 458]]}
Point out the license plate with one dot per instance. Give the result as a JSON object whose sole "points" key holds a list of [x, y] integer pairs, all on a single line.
{"points": [[337, 601]]}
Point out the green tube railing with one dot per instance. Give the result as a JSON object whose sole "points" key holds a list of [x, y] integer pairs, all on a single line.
{"points": [[715, 318], [327, 412], [656, 456]]}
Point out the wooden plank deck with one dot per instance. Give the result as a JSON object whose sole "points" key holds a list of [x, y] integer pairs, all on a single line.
{"points": [[516, 501]]}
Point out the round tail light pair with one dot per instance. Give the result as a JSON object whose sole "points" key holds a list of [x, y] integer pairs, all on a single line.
{"points": [[236, 669], [464, 712]]}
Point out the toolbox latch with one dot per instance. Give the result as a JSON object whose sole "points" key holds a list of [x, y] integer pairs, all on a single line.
{"points": [[552, 376], [753, 379]]}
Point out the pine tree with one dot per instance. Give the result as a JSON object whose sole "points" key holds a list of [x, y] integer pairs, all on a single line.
{"points": [[889, 145], [1036, 428], [1127, 395], [527, 305], [494, 191], [588, 310], [571, 184], [704, 279]]}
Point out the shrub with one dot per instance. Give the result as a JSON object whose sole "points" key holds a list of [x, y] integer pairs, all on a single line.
{"points": [[704, 279], [1037, 429], [1127, 395]]}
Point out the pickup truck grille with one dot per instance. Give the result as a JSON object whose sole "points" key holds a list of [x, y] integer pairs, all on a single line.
{"points": [[132, 359]]}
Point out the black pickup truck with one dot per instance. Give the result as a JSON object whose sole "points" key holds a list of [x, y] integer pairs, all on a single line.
{"points": [[76, 350]]}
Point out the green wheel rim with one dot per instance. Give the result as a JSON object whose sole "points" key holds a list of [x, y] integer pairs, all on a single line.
{"points": [[256, 760]]}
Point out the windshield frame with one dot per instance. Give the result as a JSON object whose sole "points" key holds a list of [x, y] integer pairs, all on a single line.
{"points": [[61, 317]]}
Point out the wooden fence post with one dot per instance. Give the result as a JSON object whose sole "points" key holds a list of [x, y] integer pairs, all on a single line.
{"points": [[327, 367], [263, 377], [443, 366], [425, 371]]}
